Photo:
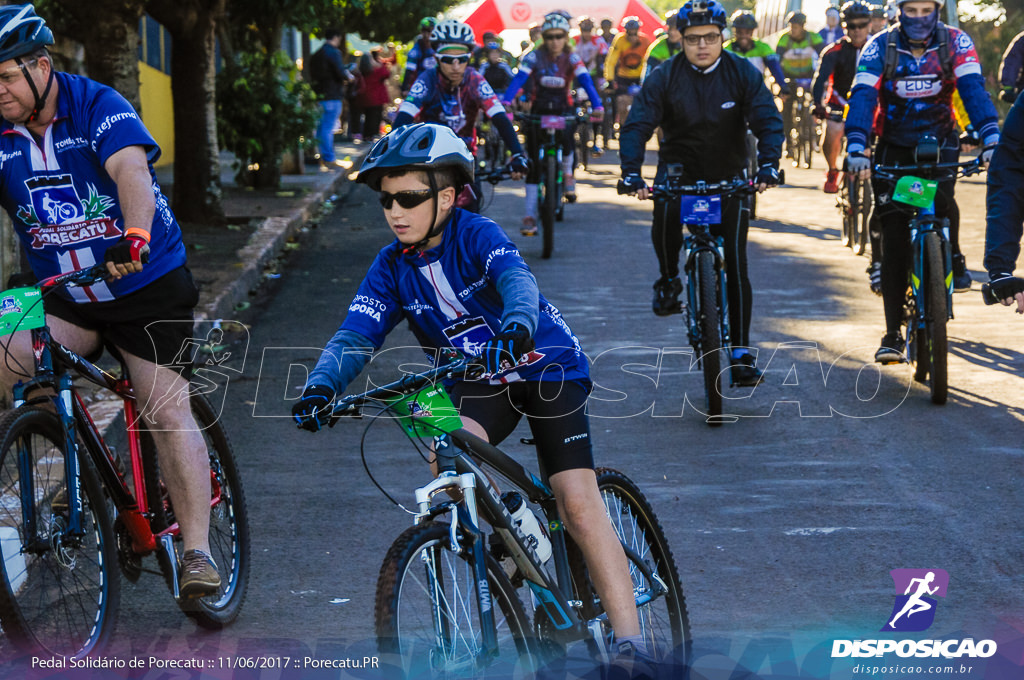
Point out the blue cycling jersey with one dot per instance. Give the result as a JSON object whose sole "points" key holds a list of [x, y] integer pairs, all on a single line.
{"points": [[449, 296], [63, 203]]}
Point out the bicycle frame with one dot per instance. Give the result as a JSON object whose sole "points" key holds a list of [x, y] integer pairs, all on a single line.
{"points": [[480, 499]]}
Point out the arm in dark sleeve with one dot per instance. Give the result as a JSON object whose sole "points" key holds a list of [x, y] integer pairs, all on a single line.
{"points": [[978, 104], [1013, 61], [335, 66], [644, 116], [341, 361], [826, 67], [1004, 200], [402, 119], [763, 117], [517, 84], [503, 124]]}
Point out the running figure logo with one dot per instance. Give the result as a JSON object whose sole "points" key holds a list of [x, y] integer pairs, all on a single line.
{"points": [[914, 609]]}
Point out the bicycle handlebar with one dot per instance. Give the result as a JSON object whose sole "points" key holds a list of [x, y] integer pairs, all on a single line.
{"points": [[669, 190], [495, 176], [963, 168], [409, 384], [80, 277]]}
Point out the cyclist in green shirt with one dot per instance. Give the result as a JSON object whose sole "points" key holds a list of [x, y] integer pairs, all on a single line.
{"points": [[798, 50], [665, 46], [757, 52]]}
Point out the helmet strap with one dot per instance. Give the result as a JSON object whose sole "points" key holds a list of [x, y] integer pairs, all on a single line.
{"points": [[40, 99], [435, 228]]}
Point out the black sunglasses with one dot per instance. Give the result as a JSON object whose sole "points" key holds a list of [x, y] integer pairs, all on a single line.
{"points": [[560, 36], [858, 26], [406, 199], [451, 59]]}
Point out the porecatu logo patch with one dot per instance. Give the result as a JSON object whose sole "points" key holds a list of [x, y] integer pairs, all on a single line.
{"points": [[915, 605]]}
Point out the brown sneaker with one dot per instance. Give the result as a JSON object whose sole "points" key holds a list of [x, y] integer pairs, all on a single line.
{"points": [[199, 576]]}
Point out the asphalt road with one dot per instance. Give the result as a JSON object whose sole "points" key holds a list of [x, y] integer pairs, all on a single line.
{"points": [[785, 524]]}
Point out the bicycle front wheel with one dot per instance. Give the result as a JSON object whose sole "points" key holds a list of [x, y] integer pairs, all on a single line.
{"points": [[61, 590], [428, 612], [936, 315], [229, 524], [709, 316], [848, 203], [550, 204], [664, 621]]}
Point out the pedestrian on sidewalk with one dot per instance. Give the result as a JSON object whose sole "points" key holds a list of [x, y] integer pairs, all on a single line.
{"points": [[373, 94], [329, 77]]}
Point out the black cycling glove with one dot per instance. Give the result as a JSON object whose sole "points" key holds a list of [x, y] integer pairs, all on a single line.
{"points": [[504, 350], [312, 411], [129, 249], [768, 175], [631, 183], [519, 164], [1005, 286]]}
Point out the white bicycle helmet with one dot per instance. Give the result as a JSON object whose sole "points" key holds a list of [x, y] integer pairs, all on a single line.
{"points": [[554, 22], [452, 32]]}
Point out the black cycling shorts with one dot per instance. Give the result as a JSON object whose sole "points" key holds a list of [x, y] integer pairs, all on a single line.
{"points": [[556, 412], [154, 323]]}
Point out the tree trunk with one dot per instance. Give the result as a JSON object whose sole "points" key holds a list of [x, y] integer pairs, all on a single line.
{"points": [[112, 47], [193, 28]]}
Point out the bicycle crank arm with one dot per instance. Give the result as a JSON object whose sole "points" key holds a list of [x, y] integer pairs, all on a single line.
{"points": [[167, 543]]}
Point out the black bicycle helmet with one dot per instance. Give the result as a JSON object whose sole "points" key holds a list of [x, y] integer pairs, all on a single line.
{"points": [[632, 23], [744, 19], [852, 11], [701, 13], [670, 19], [796, 18]]}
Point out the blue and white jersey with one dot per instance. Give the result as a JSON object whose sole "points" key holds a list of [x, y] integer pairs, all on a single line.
{"points": [[63, 203], [450, 298], [420, 57]]}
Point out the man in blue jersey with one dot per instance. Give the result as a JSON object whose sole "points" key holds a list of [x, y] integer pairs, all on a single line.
{"points": [[910, 73], [77, 181], [459, 282]]}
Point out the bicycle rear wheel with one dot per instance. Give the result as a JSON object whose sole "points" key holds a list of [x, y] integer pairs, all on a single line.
{"points": [[427, 611], [807, 134], [583, 146], [60, 593], [862, 217], [936, 315], [229, 524], [848, 204], [709, 316], [550, 204]]}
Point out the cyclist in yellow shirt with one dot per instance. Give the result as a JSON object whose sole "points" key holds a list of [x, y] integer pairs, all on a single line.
{"points": [[624, 66]]}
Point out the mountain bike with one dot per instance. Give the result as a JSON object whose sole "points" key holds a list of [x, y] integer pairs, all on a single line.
{"points": [[929, 301], [855, 201], [707, 309], [448, 602], [550, 205], [803, 134], [752, 168], [70, 521], [585, 121]]}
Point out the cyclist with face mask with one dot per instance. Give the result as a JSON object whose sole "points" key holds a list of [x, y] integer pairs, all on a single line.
{"points": [[907, 75]]}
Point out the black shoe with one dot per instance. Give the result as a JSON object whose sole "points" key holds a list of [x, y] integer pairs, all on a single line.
{"points": [[666, 296], [745, 373], [892, 349], [961, 277], [875, 277]]}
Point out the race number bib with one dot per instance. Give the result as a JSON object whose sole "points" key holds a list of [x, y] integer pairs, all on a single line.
{"points": [[700, 209]]}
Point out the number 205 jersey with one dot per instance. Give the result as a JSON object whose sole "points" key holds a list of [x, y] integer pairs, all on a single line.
{"points": [[448, 295], [63, 202]]}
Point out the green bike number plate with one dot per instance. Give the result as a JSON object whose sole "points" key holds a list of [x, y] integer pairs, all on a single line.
{"points": [[426, 413], [21, 309], [915, 191]]}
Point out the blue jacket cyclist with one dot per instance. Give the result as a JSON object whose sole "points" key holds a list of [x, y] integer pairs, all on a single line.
{"points": [[1005, 210], [460, 283]]}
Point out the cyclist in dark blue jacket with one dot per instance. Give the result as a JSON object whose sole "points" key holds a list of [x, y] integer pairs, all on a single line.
{"points": [[460, 283], [1005, 210], [703, 99]]}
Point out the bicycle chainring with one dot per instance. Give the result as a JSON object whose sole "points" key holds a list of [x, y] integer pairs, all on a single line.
{"points": [[129, 560]]}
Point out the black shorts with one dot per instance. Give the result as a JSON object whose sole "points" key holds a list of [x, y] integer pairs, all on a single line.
{"points": [[556, 412], [154, 323]]}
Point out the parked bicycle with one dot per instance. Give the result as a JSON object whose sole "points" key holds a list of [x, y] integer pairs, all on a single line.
{"points": [[448, 600], [854, 202], [707, 309], [550, 204], [70, 518], [929, 302]]}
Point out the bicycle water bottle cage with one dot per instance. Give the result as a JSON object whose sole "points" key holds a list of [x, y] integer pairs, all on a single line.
{"points": [[927, 151]]}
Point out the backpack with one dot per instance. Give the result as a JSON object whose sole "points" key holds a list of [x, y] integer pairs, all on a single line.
{"points": [[315, 71], [945, 55]]}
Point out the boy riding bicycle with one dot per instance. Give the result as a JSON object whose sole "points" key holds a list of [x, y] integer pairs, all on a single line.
{"points": [[534, 364]]}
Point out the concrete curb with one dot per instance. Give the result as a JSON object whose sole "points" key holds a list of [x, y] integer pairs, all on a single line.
{"points": [[266, 243]]}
